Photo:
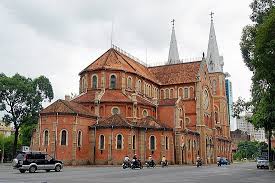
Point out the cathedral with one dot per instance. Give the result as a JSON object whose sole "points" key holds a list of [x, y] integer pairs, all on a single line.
{"points": [[124, 107]]}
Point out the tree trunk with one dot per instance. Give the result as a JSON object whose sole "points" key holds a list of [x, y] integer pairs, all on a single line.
{"points": [[15, 141], [269, 150]]}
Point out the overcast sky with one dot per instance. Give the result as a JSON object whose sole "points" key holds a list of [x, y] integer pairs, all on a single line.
{"points": [[60, 38]]}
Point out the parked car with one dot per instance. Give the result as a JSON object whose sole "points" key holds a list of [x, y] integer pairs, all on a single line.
{"points": [[262, 163], [32, 161]]}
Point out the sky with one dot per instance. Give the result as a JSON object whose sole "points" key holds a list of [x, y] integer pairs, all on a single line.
{"points": [[60, 38]]}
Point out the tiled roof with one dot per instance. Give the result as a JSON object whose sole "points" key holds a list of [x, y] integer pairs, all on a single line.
{"points": [[141, 100], [114, 96], [176, 73], [167, 101], [113, 59], [151, 122], [113, 121], [89, 96], [68, 107], [117, 121]]}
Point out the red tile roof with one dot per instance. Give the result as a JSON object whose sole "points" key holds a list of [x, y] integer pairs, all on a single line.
{"points": [[67, 107], [114, 96], [141, 100], [89, 96], [176, 73], [113, 59], [151, 122], [117, 121], [113, 121]]}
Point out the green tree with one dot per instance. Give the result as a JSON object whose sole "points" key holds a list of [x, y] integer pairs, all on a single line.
{"points": [[21, 98], [258, 51], [250, 149]]}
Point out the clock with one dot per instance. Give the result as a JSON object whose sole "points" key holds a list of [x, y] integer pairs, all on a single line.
{"points": [[205, 99]]}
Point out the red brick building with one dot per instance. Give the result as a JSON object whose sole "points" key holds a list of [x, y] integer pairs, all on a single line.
{"points": [[125, 108]]}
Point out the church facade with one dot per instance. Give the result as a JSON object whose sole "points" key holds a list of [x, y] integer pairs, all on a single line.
{"points": [[124, 108]]}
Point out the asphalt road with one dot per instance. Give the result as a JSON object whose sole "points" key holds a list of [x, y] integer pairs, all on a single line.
{"points": [[239, 173]]}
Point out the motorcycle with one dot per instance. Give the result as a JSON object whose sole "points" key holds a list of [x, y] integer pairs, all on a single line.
{"points": [[198, 163], [136, 164], [164, 164], [126, 165], [151, 164]]}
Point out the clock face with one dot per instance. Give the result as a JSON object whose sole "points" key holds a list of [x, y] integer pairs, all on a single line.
{"points": [[205, 100]]}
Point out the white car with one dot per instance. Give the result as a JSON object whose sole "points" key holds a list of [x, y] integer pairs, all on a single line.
{"points": [[262, 163]]}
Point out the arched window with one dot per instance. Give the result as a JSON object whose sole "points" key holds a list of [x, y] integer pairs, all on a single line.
{"points": [[139, 85], [157, 95], [79, 138], [149, 91], [162, 95], [186, 92], [152, 143], [113, 82], [145, 113], [129, 82], [46, 138], [94, 82], [166, 143], [194, 144], [134, 142], [115, 110], [171, 93], [166, 93], [119, 139], [180, 92], [64, 138], [101, 142]]}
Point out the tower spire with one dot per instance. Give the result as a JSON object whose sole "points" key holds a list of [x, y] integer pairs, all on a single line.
{"points": [[213, 58], [173, 57]]}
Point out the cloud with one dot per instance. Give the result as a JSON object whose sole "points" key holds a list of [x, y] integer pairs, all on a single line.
{"points": [[60, 38]]}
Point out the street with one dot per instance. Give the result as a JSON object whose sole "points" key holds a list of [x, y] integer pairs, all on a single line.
{"points": [[239, 173]]}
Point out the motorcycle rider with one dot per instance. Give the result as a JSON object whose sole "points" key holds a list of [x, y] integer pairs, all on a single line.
{"points": [[219, 161], [135, 160], [164, 160], [199, 161], [127, 160], [151, 160]]}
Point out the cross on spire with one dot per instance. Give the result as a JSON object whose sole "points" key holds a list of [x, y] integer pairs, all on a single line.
{"points": [[211, 15], [173, 23]]}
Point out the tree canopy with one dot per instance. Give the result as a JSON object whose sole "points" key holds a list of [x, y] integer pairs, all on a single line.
{"points": [[258, 51], [21, 99]]}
